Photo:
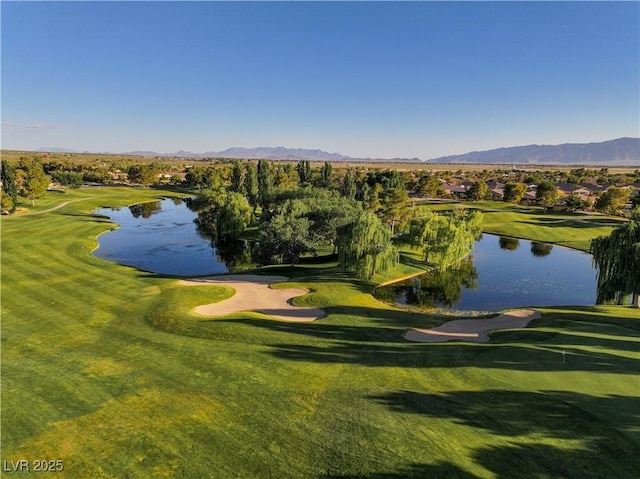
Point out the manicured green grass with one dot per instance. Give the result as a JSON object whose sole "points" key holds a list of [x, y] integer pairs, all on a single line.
{"points": [[106, 368], [569, 229]]}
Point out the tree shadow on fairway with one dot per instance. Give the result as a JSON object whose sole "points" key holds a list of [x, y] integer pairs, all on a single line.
{"points": [[374, 337], [331, 276], [594, 446], [592, 319], [96, 218], [411, 260], [422, 471], [577, 222], [601, 459], [446, 355]]}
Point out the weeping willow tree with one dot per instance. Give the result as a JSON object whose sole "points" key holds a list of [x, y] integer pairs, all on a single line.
{"points": [[617, 259], [446, 239], [365, 248]]}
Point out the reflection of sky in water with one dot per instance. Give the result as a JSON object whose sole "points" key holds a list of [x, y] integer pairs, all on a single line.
{"points": [[511, 279], [166, 242]]}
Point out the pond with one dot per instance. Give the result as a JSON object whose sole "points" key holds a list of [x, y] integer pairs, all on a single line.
{"points": [[161, 237], [503, 273]]}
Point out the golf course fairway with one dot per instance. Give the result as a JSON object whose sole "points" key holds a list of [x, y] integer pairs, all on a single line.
{"points": [[111, 371]]}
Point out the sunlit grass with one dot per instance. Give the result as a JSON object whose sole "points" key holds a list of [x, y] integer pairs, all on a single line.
{"points": [[569, 229], [107, 368]]}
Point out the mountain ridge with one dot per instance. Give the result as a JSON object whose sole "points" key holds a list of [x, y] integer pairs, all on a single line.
{"points": [[620, 152], [623, 151]]}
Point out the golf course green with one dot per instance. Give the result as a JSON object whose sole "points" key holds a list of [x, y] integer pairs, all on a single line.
{"points": [[107, 369]]}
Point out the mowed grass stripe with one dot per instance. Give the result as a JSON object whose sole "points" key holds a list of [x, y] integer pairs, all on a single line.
{"points": [[137, 386]]}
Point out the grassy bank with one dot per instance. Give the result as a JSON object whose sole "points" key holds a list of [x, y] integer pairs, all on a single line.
{"points": [[105, 368], [575, 230]]}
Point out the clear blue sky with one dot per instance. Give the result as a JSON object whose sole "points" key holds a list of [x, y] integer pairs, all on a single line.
{"points": [[364, 79]]}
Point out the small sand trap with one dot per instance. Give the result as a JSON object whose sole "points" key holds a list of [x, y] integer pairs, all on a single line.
{"points": [[476, 330], [253, 293]]}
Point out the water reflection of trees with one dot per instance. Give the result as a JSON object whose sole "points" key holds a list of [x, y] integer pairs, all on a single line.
{"points": [[145, 210], [509, 244], [435, 289], [237, 254], [540, 249], [206, 224]]}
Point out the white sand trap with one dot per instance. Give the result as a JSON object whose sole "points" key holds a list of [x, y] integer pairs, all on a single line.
{"points": [[472, 329], [253, 293]]}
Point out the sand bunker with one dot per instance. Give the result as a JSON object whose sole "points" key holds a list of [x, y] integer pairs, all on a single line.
{"points": [[472, 329], [253, 293]]}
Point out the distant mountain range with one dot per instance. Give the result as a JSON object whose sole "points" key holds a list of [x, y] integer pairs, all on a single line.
{"points": [[619, 152], [262, 152]]}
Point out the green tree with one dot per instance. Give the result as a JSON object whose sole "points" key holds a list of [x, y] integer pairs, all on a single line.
{"points": [[286, 235], [547, 193], [365, 248], [213, 179], [613, 200], [237, 177], [195, 177], [141, 174], [348, 187], [394, 207], [67, 179], [234, 215], [387, 179], [251, 185], [430, 186], [9, 188], [478, 190], [446, 239], [304, 172], [574, 202], [33, 178], [204, 178], [617, 259], [327, 212], [326, 172], [265, 182], [7, 205], [514, 192], [285, 176], [372, 198]]}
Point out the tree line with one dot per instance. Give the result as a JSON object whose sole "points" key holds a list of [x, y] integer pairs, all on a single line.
{"points": [[298, 209], [364, 216]]}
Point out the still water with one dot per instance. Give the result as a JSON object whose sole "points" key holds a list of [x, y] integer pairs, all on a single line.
{"points": [[503, 273], [161, 237]]}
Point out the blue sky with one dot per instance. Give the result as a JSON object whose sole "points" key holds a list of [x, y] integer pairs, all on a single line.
{"points": [[366, 79]]}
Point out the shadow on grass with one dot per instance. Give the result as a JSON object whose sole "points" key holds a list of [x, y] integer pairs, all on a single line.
{"points": [[379, 342], [593, 319], [592, 340], [574, 222], [422, 471], [412, 259], [90, 217], [603, 450]]}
